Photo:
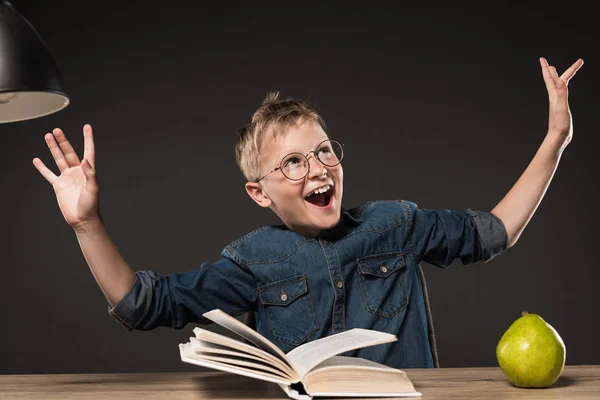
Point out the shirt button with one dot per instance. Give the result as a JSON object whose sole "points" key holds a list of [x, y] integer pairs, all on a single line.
{"points": [[383, 269], [339, 284], [283, 296]]}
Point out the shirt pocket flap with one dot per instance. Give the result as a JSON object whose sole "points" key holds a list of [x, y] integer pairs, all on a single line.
{"points": [[283, 293], [381, 265]]}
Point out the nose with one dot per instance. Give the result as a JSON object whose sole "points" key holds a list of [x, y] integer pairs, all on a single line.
{"points": [[316, 168]]}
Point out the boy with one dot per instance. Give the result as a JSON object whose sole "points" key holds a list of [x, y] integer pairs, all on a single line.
{"points": [[325, 269]]}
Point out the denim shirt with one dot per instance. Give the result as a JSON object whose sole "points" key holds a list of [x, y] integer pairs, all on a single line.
{"points": [[362, 273]]}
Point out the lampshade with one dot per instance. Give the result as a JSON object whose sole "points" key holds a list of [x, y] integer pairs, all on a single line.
{"points": [[30, 85]]}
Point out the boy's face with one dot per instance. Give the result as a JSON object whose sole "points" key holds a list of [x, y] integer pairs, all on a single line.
{"points": [[288, 198]]}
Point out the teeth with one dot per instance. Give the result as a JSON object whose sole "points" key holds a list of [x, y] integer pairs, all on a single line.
{"points": [[320, 190]]}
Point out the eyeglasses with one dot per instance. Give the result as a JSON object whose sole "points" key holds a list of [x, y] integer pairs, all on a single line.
{"points": [[295, 166]]}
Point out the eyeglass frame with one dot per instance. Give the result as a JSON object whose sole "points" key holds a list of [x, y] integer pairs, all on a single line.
{"points": [[307, 161]]}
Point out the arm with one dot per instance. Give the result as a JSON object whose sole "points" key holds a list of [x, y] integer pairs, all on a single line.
{"points": [[441, 236], [520, 203], [76, 191], [138, 300], [176, 299], [114, 276]]}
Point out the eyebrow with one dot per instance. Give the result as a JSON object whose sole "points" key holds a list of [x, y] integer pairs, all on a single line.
{"points": [[297, 151]]}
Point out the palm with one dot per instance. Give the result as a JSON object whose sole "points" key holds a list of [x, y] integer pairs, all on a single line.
{"points": [[74, 201], [76, 190]]}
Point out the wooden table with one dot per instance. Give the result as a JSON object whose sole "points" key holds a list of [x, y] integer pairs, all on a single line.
{"points": [[576, 382]]}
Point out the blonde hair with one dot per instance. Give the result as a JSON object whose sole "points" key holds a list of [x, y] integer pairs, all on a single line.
{"points": [[274, 116]]}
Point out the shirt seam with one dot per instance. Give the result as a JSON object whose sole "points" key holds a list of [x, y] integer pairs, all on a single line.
{"points": [[409, 215], [283, 258], [343, 303], [332, 286]]}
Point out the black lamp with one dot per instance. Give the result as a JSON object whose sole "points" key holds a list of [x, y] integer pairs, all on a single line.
{"points": [[30, 85]]}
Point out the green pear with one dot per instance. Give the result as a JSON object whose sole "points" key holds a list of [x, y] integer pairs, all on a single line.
{"points": [[531, 353]]}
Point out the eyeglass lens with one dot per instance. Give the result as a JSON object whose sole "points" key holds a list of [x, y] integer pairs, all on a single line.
{"points": [[295, 165]]}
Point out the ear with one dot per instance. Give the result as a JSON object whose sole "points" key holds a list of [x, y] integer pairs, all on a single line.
{"points": [[256, 193]]}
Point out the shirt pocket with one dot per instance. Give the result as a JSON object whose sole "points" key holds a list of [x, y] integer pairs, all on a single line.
{"points": [[289, 309], [383, 283]]}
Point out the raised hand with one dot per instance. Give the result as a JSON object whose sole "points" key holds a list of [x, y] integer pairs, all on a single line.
{"points": [[560, 121], [76, 187]]}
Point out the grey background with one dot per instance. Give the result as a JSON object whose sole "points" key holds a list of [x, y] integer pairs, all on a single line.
{"points": [[441, 106]]}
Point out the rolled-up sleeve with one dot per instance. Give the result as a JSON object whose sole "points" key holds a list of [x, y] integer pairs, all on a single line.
{"points": [[492, 233], [174, 300], [441, 236]]}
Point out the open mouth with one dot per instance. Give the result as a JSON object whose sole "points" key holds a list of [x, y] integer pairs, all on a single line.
{"points": [[321, 197]]}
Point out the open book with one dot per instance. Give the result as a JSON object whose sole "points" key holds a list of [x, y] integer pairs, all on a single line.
{"points": [[310, 370]]}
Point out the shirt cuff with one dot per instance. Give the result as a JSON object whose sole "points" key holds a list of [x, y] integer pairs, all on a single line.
{"points": [[492, 233], [130, 310]]}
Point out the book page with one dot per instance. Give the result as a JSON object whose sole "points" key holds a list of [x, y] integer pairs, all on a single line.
{"points": [[343, 362], [240, 362], [308, 355], [202, 346], [231, 346], [357, 377], [187, 355], [227, 321], [208, 350]]}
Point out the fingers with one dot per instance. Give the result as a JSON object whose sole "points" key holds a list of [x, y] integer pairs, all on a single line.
{"points": [[89, 149], [56, 152], [46, 173], [68, 152], [554, 73], [547, 74], [550, 72], [561, 85], [65, 157], [571, 71]]}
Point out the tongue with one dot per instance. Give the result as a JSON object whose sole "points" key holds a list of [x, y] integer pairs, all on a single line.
{"points": [[319, 199]]}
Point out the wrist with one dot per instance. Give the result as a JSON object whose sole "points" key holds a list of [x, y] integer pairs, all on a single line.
{"points": [[89, 226], [557, 141]]}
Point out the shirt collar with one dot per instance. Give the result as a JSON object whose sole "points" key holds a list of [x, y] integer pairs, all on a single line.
{"points": [[345, 225]]}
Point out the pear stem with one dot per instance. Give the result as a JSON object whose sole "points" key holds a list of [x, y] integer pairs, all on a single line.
{"points": [[524, 313]]}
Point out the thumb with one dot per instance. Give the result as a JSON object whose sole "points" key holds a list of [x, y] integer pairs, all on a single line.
{"points": [[90, 174], [561, 86], [87, 167]]}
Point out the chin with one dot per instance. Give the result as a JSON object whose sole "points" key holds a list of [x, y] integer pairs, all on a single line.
{"points": [[323, 226], [330, 221]]}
